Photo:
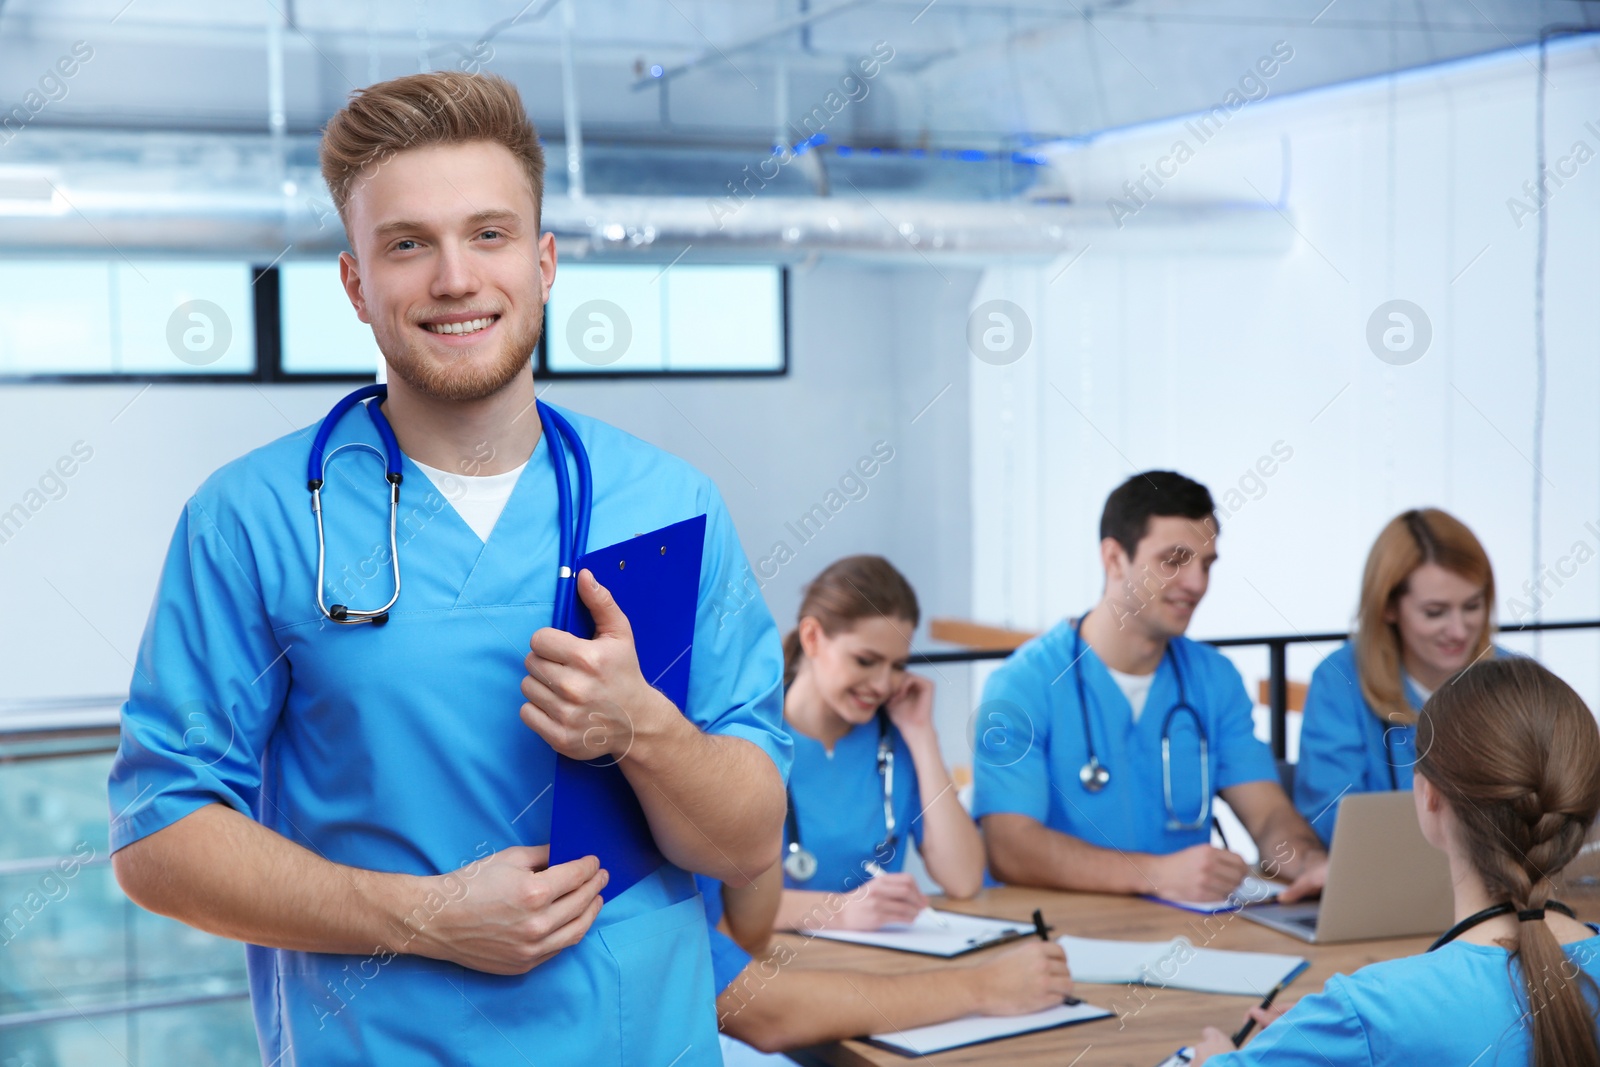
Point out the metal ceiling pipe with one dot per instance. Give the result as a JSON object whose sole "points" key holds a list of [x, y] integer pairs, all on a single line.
{"points": [[569, 102], [251, 224]]}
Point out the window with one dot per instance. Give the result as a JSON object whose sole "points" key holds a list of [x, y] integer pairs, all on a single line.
{"points": [[120, 318], [228, 321], [637, 319], [320, 330]]}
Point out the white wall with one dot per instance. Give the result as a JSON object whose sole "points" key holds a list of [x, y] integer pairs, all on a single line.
{"points": [[1395, 189], [871, 347]]}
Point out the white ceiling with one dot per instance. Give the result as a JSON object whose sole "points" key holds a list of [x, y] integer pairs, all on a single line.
{"points": [[982, 74]]}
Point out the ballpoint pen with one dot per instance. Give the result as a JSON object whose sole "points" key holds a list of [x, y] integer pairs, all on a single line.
{"points": [[1044, 935], [1250, 1022]]}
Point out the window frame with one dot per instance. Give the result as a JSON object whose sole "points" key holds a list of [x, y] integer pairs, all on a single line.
{"points": [[543, 372], [267, 327]]}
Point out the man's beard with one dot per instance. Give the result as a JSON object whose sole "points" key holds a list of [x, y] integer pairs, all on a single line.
{"points": [[468, 378]]}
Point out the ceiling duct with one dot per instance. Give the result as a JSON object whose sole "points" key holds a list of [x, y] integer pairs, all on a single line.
{"points": [[157, 194]]}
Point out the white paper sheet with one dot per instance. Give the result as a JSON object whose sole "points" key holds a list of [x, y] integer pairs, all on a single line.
{"points": [[935, 933], [926, 1040], [1252, 890], [1178, 964]]}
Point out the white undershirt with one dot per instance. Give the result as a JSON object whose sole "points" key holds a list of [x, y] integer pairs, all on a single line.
{"points": [[478, 498], [1136, 687], [1421, 692]]}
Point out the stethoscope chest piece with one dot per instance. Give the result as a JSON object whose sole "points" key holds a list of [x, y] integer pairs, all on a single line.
{"points": [[799, 864], [1094, 775]]}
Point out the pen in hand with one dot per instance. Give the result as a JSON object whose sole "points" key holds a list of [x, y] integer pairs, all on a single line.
{"points": [[1250, 1022], [872, 868], [1044, 935]]}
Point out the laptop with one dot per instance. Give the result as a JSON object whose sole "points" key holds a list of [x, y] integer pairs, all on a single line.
{"points": [[1384, 879]]}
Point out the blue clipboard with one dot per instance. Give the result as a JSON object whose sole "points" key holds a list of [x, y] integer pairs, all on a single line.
{"points": [[655, 578]]}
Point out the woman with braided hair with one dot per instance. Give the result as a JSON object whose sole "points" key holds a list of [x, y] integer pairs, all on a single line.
{"points": [[1507, 787]]}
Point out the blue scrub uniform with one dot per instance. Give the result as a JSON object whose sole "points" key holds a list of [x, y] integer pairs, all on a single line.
{"points": [[399, 748], [1344, 747], [727, 958], [1029, 744], [728, 962], [838, 808], [1459, 1005]]}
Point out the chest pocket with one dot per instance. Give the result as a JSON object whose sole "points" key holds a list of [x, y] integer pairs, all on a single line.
{"points": [[666, 990]]}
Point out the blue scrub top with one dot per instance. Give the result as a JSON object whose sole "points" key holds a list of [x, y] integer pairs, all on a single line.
{"points": [[1459, 1005], [728, 960], [1029, 745], [399, 748], [838, 807], [1345, 747]]}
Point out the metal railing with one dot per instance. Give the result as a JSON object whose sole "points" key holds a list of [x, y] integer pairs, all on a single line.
{"points": [[1277, 646], [45, 729]]}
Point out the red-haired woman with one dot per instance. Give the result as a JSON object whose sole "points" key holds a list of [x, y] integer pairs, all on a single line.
{"points": [[1427, 611]]}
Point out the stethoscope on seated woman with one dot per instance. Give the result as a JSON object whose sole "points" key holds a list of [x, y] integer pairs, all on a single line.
{"points": [[799, 862], [574, 529], [1496, 910], [1095, 775]]}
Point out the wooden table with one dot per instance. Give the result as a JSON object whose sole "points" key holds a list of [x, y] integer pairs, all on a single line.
{"points": [[1148, 1024]]}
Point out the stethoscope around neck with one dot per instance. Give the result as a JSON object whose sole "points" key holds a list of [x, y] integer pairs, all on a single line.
{"points": [[574, 529], [799, 862], [1095, 775], [1495, 911]]}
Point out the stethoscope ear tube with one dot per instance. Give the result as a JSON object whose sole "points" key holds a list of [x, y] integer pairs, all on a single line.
{"points": [[1095, 776], [559, 435], [340, 613], [574, 529]]}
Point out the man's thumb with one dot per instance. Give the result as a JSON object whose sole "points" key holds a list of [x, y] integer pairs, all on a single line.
{"points": [[607, 615]]}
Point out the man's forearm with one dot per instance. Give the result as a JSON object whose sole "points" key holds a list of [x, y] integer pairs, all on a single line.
{"points": [[774, 1008], [1025, 852], [715, 804], [751, 913], [223, 872]]}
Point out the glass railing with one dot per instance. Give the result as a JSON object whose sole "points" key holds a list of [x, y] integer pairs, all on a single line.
{"points": [[87, 977]]}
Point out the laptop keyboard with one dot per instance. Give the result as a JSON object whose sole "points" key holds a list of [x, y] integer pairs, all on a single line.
{"points": [[1305, 922]]}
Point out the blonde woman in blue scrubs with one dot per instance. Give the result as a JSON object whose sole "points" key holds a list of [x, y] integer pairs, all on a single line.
{"points": [[1427, 611], [868, 777], [1506, 788]]}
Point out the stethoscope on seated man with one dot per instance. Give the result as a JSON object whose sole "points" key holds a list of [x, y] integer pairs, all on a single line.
{"points": [[1095, 775], [574, 529], [799, 862]]}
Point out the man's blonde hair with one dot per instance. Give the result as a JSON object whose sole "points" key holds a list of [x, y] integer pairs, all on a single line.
{"points": [[443, 107]]}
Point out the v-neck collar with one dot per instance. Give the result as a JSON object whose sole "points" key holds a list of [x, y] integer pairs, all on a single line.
{"points": [[512, 543], [1161, 694]]}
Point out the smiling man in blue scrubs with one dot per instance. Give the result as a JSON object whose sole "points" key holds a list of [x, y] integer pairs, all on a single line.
{"points": [[1126, 809], [368, 806]]}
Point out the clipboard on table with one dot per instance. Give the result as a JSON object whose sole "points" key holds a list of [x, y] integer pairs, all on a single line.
{"points": [[655, 578], [980, 1029], [942, 934]]}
